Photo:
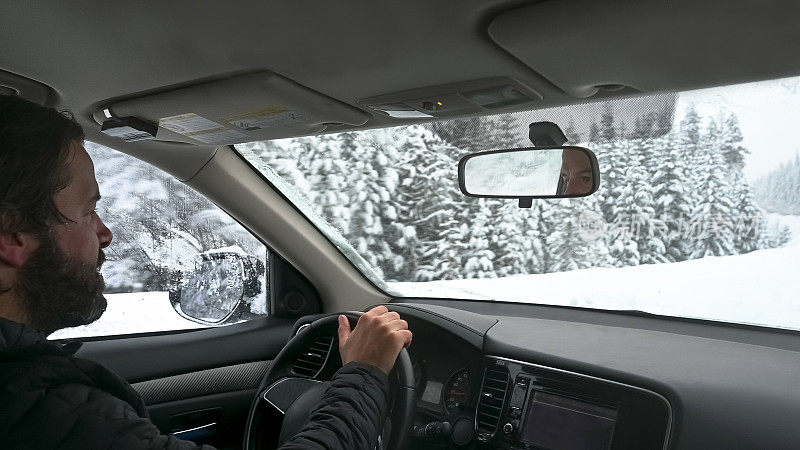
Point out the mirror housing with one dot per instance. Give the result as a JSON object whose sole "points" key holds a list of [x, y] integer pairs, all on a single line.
{"points": [[213, 292], [527, 173]]}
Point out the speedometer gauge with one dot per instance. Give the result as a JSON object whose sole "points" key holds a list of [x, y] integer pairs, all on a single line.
{"points": [[456, 392]]}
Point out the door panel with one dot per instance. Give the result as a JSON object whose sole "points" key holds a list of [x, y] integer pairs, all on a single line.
{"points": [[150, 357], [238, 377], [200, 382]]}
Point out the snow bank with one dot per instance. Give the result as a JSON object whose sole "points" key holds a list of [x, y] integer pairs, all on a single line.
{"points": [[139, 312], [759, 288]]}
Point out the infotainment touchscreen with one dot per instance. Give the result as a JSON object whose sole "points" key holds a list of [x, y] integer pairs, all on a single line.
{"points": [[559, 422]]}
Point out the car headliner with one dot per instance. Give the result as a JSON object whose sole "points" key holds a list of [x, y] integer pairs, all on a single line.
{"points": [[92, 52]]}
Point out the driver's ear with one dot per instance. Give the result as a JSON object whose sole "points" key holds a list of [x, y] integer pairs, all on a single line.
{"points": [[17, 248]]}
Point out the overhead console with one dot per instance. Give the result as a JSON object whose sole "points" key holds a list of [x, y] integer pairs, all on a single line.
{"points": [[449, 100], [257, 106], [591, 47], [525, 406]]}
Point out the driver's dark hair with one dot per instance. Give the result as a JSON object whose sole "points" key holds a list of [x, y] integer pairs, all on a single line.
{"points": [[34, 147]]}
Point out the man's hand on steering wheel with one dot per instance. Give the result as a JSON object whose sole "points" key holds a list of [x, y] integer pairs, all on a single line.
{"points": [[377, 339]]}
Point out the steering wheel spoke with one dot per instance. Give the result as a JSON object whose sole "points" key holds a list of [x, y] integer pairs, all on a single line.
{"points": [[283, 393]]}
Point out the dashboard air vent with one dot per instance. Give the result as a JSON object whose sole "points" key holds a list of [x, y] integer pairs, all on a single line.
{"points": [[310, 361], [490, 404]]}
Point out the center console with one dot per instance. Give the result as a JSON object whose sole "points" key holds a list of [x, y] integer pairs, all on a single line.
{"points": [[528, 406]]}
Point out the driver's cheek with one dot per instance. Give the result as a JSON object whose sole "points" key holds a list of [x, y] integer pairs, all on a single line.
{"points": [[570, 190]]}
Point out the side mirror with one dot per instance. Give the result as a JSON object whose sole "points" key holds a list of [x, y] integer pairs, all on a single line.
{"points": [[213, 292], [536, 172]]}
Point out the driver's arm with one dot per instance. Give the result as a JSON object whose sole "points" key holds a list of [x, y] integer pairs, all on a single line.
{"points": [[353, 410], [350, 415]]}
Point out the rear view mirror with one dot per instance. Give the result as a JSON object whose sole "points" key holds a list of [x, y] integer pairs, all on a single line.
{"points": [[538, 172]]}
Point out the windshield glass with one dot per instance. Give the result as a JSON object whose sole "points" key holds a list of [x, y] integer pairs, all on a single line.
{"points": [[697, 215]]}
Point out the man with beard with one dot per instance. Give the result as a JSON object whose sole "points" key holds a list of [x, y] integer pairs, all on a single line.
{"points": [[51, 252]]}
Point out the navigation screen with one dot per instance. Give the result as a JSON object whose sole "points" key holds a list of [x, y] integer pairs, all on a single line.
{"points": [[566, 424]]}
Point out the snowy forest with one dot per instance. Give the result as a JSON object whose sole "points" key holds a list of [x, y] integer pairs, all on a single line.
{"points": [[779, 190], [667, 194]]}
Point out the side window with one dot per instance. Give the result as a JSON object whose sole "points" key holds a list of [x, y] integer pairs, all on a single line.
{"points": [[176, 262]]}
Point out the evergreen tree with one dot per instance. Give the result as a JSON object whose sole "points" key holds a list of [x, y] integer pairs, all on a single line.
{"points": [[509, 241], [608, 129], [569, 250], [663, 122], [573, 137], [467, 135], [712, 216], [672, 196], [535, 227], [507, 132], [479, 258], [427, 199], [372, 186], [748, 218], [327, 173]]}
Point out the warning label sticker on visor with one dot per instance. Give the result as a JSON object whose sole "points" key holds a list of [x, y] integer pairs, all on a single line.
{"points": [[266, 118], [199, 128]]}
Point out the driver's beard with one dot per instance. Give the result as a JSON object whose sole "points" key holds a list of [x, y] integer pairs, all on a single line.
{"points": [[58, 292]]}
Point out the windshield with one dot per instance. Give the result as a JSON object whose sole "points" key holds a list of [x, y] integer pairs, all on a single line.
{"points": [[697, 215]]}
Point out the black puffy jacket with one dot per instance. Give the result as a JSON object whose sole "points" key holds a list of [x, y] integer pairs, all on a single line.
{"points": [[49, 399]]}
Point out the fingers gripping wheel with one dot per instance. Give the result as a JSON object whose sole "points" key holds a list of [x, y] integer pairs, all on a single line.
{"points": [[286, 399]]}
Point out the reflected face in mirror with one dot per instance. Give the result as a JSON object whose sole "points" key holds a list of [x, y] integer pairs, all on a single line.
{"points": [[576, 173]]}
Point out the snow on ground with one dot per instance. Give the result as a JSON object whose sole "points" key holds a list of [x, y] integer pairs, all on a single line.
{"points": [[756, 288], [777, 221], [138, 312]]}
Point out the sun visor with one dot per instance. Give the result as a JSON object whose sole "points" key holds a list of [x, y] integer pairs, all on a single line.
{"points": [[588, 47], [245, 108], [13, 84]]}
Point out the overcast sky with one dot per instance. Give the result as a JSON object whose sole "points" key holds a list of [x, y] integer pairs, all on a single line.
{"points": [[769, 115]]}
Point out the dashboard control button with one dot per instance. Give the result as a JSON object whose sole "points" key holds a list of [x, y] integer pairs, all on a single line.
{"points": [[463, 432], [508, 428]]}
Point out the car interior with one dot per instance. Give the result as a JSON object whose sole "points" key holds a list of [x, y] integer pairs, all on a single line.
{"points": [[138, 77]]}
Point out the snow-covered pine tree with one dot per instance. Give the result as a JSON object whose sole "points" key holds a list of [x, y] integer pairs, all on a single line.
{"points": [[371, 188], [535, 227], [567, 247], [713, 235], [479, 259], [509, 241], [428, 199], [672, 196], [747, 217], [690, 141], [327, 171], [467, 135], [636, 203], [572, 134]]}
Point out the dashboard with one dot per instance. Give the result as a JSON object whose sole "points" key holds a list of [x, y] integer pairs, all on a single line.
{"points": [[467, 399], [493, 375]]}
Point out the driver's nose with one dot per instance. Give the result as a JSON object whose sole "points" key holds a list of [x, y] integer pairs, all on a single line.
{"points": [[104, 234]]}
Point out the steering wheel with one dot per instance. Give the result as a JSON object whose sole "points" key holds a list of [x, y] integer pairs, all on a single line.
{"points": [[284, 395]]}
